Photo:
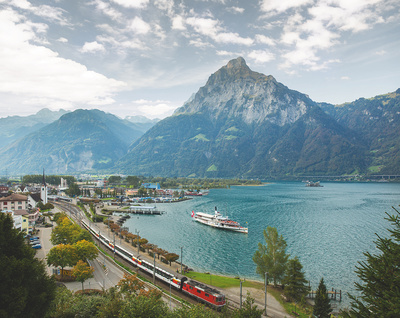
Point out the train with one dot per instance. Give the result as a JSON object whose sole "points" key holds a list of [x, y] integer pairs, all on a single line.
{"points": [[201, 292]]}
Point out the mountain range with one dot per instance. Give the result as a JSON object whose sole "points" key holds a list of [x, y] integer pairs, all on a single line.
{"points": [[239, 124]]}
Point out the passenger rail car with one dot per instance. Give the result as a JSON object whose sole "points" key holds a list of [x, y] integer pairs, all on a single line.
{"points": [[197, 290]]}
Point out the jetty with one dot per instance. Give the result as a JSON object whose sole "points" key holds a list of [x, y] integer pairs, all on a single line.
{"points": [[332, 294], [140, 209]]}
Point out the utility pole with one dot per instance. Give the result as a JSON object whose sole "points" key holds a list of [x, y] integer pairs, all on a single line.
{"points": [[266, 283], [181, 259], [154, 269], [240, 294], [114, 244]]}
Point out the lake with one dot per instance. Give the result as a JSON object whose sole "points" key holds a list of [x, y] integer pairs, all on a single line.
{"points": [[328, 228]]}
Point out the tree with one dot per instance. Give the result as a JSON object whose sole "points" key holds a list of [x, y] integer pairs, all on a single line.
{"points": [[322, 305], [271, 258], [82, 271], [171, 257], [249, 310], [114, 179], [85, 250], [62, 255], [295, 284], [130, 284], [73, 190], [25, 288], [380, 277], [142, 192], [133, 181]]}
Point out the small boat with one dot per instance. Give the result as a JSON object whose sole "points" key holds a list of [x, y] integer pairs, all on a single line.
{"points": [[218, 221], [313, 184]]}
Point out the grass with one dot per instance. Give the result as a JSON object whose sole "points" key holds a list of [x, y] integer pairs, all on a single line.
{"points": [[229, 282]]}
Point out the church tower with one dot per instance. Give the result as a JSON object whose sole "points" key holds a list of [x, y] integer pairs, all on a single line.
{"points": [[43, 190]]}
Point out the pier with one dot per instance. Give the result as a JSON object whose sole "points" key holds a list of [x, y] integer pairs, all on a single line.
{"points": [[147, 210], [332, 294]]}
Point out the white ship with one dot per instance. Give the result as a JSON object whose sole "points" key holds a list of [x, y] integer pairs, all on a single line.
{"points": [[218, 221]]}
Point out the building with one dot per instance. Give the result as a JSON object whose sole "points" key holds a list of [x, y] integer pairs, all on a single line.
{"points": [[14, 202], [43, 190], [152, 186], [33, 200]]}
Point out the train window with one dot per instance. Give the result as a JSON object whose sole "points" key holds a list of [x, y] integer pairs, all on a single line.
{"points": [[207, 295], [199, 291]]}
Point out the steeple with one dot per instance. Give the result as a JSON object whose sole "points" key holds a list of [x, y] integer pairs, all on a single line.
{"points": [[44, 180], [43, 190]]}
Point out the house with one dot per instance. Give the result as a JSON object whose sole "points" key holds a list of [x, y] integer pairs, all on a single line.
{"points": [[14, 202], [20, 219], [33, 200]]}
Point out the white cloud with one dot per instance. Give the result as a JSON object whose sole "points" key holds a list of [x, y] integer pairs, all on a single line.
{"points": [[213, 29], [260, 38], [138, 26], [282, 5], [62, 40], [92, 47], [235, 9], [37, 72], [345, 78], [380, 53], [132, 3], [260, 56], [106, 9], [178, 23]]}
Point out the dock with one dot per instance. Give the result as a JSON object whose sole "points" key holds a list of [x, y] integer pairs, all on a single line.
{"points": [[332, 294], [147, 210]]}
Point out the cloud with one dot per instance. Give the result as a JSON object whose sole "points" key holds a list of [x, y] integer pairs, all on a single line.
{"points": [[260, 56], [345, 78], [62, 40], [138, 26], [380, 53], [178, 23], [92, 47], [282, 5], [213, 29], [235, 10], [106, 9], [260, 38], [132, 3], [35, 71]]}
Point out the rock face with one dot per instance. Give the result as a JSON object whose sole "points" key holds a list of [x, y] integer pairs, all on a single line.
{"points": [[237, 91], [246, 124]]}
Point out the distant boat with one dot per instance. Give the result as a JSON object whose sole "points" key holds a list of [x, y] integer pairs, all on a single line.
{"points": [[313, 184], [218, 221]]}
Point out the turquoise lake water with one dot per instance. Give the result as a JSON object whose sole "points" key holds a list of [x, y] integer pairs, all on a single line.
{"points": [[327, 228]]}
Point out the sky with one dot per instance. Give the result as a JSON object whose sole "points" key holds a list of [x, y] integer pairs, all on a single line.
{"points": [[147, 57]]}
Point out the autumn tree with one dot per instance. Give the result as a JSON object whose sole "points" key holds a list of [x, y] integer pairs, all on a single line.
{"points": [[85, 250], [171, 257], [82, 271], [272, 257], [380, 277], [62, 255], [294, 281], [25, 288], [322, 305], [130, 284]]}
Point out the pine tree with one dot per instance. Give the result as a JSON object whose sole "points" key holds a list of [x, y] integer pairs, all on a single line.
{"points": [[322, 305], [380, 276], [25, 288], [294, 281]]}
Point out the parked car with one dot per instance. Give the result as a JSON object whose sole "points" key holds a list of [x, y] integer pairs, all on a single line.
{"points": [[34, 242], [37, 246], [34, 238]]}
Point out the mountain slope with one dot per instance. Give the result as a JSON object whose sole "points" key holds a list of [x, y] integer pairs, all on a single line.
{"points": [[376, 121], [82, 140], [243, 123], [16, 127]]}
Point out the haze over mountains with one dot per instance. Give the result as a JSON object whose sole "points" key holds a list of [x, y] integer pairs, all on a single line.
{"points": [[240, 124]]}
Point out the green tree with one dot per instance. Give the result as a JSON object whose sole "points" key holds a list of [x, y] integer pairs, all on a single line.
{"points": [[322, 305], [73, 190], [144, 306], [62, 255], [248, 310], [82, 271], [25, 288], [295, 284], [85, 250], [114, 179], [272, 257], [142, 192], [380, 277], [133, 181]]}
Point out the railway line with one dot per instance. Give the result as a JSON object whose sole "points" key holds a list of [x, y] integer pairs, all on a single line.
{"points": [[77, 214]]}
